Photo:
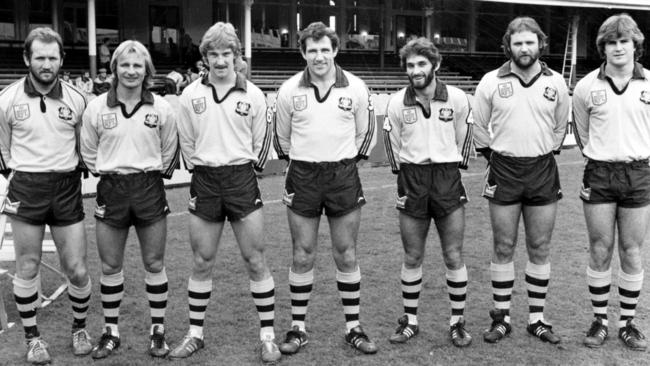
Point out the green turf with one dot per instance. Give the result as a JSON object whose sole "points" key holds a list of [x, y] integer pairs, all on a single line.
{"points": [[231, 323]]}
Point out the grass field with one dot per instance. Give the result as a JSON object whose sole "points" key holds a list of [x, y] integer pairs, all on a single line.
{"points": [[231, 323]]}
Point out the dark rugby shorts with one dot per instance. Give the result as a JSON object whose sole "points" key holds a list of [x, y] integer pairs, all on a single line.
{"points": [[626, 184], [531, 181], [430, 190], [230, 191], [45, 198], [131, 199], [332, 187]]}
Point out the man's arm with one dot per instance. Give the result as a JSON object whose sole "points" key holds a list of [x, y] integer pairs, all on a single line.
{"points": [[89, 139], [581, 115], [5, 142], [262, 125], [365, 120], [481, 112], [392, 130], [464, 133], [562, 110], [186, 133], [282, 117], [169, 144]]}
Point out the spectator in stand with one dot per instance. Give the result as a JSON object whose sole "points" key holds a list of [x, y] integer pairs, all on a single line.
{"points": [[174, 81], [104, 55], [102, 82], [84, 83], [66, 77], [189, 76], [200, 68]]}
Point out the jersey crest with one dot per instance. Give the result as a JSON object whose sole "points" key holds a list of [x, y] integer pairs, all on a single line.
{"points": [[151, 120], [645, 97], [199, 105], [109, 120], [599, 97], [446, 114], [65, 113], [345, 104], [410, 115], [387, 126], [243, 109], [505, 90], [21, 112], [300, 102], [550, 94]]}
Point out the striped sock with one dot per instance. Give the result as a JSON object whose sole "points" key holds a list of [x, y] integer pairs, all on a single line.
{"points": [[349, 285], [300, 286], [198, 297], [503, 279], [537, 278], [156, 284], [411, 287], [79, 299], [629, 288], [599, 284], [112, 291], [264, 298], [26, 295], [457, 288]]}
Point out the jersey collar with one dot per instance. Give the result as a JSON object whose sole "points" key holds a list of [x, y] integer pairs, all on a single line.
{"points": [[112, 102], [55, 93], [440, 94], [340, 80], [637, 73], [240, 81], [506, 70]]}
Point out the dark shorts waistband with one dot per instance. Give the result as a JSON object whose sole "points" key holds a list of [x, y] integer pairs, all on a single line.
{"points": [[47, 176], [521, 159], [151, 173], [634, 163], [325, 164], [222, 169], [452, 164]]}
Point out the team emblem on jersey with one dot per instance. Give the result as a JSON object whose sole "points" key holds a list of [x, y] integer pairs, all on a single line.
{"points": [[299, 102], [599, 97], [151, 120], [345, 104], [550, 93], [199, 105], [387, 125], [585, 192], [400, 202], [287, 198], [21, 112], [65, 113], [410, 115], [109, 120], [243, 109], [270, 114], [488, 190], [11, 207], [505, 90], [446, 114], [645, 97], [100, 211]]}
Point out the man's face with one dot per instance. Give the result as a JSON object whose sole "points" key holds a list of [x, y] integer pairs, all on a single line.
{"points": [[102, 74], [319, 55], [524, 49], [86, 74], [130, 70], [620, 51], [44, 62], [420, 71], [221, 61]]}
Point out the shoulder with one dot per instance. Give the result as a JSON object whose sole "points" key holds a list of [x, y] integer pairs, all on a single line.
{"points": [[9, 93], [291, 83], [586, 81], [73, 92], [97, 103], [254, 91], [455, 94], [397, 99]]}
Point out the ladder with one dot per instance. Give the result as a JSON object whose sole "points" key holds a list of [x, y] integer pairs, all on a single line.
{"points": [[570, 53]]}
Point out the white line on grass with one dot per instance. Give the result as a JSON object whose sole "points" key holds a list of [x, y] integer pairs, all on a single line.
{"points": [[367, 189]]}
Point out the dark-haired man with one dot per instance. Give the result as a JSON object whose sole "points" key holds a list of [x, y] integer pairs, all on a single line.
{"points": [[324, 125], [525, 105], [39, 123], [428, 130]]}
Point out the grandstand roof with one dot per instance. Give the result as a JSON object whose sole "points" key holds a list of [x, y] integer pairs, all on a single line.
{"points": [[622, 4]]}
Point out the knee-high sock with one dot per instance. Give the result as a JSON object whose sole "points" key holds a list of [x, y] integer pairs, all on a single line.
{"points": [[157, 292], [457, 289], [112, 291], [503, 280], [26, 295], [79, 299], [349, 285], [599, 285], [411, 287], [537, 278], [198, 297], [264, 298], [300, 286], [629, 288]]}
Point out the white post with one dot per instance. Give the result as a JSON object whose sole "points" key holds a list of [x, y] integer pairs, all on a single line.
{"points": [[247, 34], [92, 39]]}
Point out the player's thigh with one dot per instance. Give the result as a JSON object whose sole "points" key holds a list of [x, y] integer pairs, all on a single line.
{"points": [[505, 222], [413, 231], [204, 237], [344, 230], [110, 244], [539, 222], [304, 231], [153, 240], [451, 229], [632, 227], [601, 223], [249, 232], [28, 243], [70, 241]]}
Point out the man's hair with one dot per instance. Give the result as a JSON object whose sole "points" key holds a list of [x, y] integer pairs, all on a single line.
{"points": [[522, 24], [132, 46], [45, 35], [617, 26], [220, 35], [316, 31], [423, 47]]}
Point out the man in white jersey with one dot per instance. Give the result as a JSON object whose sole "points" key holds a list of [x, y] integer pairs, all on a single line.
{"points": [[611, 108], [225, 134], [39, 123], [129, 139], [324, 124], [526, 106], [428, 134]]}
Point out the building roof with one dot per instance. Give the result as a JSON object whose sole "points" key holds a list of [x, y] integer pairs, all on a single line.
{"points": [[618, 4]]}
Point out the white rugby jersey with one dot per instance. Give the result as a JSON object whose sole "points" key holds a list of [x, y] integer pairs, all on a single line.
{"points": [[526, 119], [338, 125], [38, 133], [613, 124], [116, 142], [233, 130], [440, 134]]}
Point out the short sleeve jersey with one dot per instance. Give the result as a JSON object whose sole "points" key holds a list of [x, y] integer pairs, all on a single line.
{"points": [[38, 133], [440, 133], [115, 141], [332, 127], [613, 124], [525, 119]]}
